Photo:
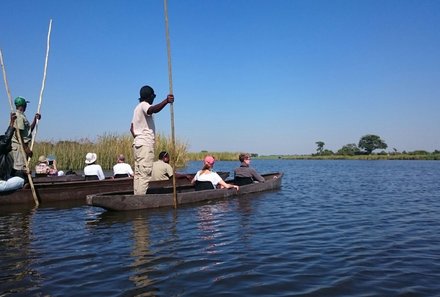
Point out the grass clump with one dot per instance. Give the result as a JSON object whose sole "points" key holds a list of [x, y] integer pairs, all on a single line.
{"points": [[71, 154]]}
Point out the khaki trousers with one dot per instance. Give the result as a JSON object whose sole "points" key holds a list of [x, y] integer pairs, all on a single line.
{"points": [[143, 166]]}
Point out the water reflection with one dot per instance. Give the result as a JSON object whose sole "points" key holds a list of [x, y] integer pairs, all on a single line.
{"points": [[16, 274], [141, 254], [334, 229]]}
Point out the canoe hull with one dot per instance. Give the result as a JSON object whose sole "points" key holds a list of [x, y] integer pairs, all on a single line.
{"points": [[76, 188], [185, 195]]}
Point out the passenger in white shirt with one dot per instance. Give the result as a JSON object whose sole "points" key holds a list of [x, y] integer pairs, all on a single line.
{"points": [[122, 169], [92, 168]]}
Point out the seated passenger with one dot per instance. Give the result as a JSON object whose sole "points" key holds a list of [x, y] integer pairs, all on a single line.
{"points": [[46, 167], [122, 169], [245, 174], [207, 175], [93, 170], [162, 170], [8, 182]]}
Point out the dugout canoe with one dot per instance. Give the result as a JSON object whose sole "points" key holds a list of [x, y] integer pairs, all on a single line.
{"points": [[53, 189], [122, 201]]}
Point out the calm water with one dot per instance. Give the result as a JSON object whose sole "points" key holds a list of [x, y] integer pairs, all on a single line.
{"points": [[336, 228]]}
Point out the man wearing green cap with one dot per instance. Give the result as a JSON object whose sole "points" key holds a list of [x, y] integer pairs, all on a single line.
{"points": [[25, 132]]}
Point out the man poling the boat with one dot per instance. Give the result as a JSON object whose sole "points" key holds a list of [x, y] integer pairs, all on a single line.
{"points": [[143, 130], [25, 132]]}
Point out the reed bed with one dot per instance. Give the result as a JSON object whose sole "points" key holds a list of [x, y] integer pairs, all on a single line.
{"points": [[219, 156], [71, 154]]}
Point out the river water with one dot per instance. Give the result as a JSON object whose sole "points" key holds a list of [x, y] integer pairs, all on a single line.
{"points": [[335, 228]]}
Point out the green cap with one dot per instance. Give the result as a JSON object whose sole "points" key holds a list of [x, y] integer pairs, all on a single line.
{"points": [[20, 101]]}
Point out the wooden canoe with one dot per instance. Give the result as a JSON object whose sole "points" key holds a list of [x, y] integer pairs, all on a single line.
{"points": [[185, 194], [52, 189]]}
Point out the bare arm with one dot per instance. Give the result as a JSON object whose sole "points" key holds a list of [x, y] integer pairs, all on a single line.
{"points": [[34, 122], [132, 130], [228, 186], [158, 107]]}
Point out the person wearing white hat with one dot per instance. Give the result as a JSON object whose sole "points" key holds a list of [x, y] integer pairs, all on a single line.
{"points": [[93, 169]]}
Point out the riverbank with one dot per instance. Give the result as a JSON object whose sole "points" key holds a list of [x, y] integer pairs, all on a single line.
{"points": [[71, 154], [430, 156]]}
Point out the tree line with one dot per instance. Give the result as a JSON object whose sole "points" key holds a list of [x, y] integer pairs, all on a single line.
{"points": [[366, 146]]}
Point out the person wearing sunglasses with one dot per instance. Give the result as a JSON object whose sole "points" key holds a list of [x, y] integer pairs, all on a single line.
{"points": [[245, 174]]}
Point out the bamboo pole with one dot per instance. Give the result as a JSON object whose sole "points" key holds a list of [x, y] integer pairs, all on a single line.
{"points": [[8, 92], [43, 84], [17, 133], [170, 79]]}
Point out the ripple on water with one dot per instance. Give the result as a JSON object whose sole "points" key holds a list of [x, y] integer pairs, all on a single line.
{"points": [[334, 229]]}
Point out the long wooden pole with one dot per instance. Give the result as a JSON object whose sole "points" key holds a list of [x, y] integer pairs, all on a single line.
{"points": [[18, 135], [43, 84], [170, 79]]}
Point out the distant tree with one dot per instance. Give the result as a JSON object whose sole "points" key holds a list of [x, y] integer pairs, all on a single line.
{"points": [[370, 142], [350, 149], [418, 152], [327, 152], [320, 147]]}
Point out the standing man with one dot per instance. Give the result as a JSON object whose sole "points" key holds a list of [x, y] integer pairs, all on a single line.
{"points": [[143, 130], [25, 132]]}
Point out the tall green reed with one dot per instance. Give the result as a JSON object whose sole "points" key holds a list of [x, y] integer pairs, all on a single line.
{"points": [[71, 154]]}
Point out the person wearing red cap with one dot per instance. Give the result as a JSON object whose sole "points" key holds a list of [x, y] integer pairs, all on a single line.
{"points": [[208, 175], [143, 130], [25, 131]]}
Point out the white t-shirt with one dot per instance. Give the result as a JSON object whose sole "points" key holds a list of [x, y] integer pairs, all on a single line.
{"points": [[143, 125], [94, 169], [213, 177], [122, 168]]}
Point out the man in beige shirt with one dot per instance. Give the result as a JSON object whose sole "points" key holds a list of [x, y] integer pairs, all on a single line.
{"points": [[143, 130], [162, 170]]}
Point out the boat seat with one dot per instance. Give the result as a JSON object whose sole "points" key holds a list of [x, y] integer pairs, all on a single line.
{"points": [[203, 185], [40, 174], [241, 181], [121, 175], [92, 177]]}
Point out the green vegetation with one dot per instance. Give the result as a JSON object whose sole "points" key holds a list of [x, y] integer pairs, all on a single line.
{"points": [[71, 154], [364, 151], [370, 142], [380, 156], [219, 156]]}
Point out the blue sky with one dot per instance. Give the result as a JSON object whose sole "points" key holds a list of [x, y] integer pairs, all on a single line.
{"points": [[270, 77]]}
